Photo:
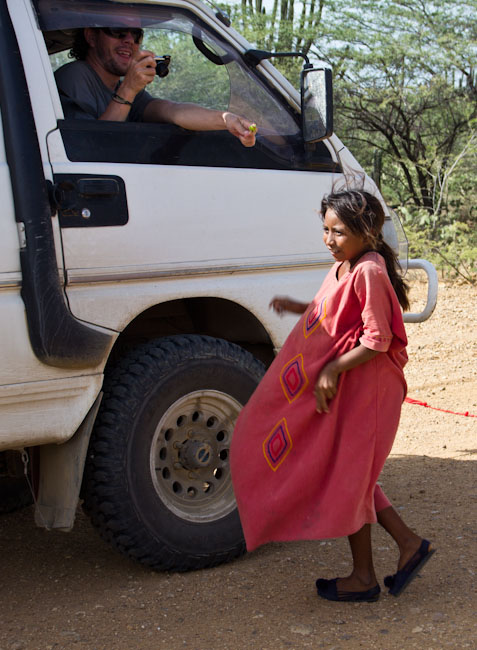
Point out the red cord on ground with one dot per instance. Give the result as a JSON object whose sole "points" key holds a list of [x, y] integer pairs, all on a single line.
{"points": [[409, 400]]}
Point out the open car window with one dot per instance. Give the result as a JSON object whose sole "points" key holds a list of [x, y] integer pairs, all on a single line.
{"points": [[204, 69]]}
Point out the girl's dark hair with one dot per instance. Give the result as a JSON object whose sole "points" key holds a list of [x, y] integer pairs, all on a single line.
{"points": [[363, 214], [80, 46]]}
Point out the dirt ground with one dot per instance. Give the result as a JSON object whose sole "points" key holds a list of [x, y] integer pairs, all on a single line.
{"points": [[61, 591]]}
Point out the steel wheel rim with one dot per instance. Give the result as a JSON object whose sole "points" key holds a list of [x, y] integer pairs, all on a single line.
{"points": [[197, 428]]}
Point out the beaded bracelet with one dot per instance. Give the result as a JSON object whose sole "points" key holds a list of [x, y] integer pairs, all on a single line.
{"points": [[121, 100]]}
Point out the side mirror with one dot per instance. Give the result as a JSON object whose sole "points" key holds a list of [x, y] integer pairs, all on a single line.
{"points": [[316, 104]]}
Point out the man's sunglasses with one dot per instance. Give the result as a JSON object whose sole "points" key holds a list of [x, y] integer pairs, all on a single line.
{"points": [[121, 32]]}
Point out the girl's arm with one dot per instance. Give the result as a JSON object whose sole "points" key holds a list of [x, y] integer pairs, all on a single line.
{"points": [[327, 383], [281, 304]]}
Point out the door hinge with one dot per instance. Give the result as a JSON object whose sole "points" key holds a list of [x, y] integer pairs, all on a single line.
{"points": [[21, 234]]}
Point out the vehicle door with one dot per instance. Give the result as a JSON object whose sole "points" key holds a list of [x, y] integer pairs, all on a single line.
{"points": [[152, 201]]}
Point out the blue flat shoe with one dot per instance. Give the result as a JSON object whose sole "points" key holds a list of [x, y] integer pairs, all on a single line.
{"points": [[327, 589], [400, 580]]}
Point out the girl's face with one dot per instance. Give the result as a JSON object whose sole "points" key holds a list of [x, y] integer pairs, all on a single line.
{"points": [[340, 241]]}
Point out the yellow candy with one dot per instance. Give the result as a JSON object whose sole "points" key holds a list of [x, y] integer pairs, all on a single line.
{"points": [[252, 128]]}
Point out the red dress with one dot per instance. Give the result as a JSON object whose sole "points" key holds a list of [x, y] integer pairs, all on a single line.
{"points": [[299, 474]]}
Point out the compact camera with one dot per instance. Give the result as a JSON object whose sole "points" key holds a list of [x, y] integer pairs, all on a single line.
{"points": [[162, 65]]}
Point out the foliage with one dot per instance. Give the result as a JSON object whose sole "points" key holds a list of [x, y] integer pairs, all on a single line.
{"points": [[286, 26], [448, 236], [192, 77], [453, 251], [405, 86]]}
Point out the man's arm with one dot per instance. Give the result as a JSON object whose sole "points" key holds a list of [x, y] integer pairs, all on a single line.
{"points": [[198, 118], [140, 73]]}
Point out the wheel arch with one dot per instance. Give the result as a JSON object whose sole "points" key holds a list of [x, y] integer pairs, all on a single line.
{"points": [[208, 315]]}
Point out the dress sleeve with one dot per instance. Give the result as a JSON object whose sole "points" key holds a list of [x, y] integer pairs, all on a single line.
{"points": [[375, 295]]}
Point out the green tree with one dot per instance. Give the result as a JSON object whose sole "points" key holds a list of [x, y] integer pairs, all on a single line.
{"points": [[286, 26], [192, 78], [405, 86], [406, 98]]}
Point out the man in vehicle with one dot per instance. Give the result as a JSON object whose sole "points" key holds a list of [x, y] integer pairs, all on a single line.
{"points": [[108, 79]]}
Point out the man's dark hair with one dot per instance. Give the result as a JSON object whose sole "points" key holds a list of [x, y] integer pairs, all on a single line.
{"points": [[80, 46]]}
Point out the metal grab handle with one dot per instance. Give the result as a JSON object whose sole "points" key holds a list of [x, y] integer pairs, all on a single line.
{"points": [[432, 285]]}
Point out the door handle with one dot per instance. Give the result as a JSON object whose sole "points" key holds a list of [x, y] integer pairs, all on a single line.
{"points": [[84, 201], [88, 187]]}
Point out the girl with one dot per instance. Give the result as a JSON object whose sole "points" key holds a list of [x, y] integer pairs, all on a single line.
{"points": [[310, 444]]}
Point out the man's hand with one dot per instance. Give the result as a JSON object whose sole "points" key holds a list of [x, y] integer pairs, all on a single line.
{"points": [[241, 128], [141, 72]]}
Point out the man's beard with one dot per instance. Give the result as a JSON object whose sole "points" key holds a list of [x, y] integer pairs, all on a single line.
{"points": [[113, 67], [110, 64]]}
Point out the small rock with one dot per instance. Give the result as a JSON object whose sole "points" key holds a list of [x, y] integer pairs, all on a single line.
{"points": [[71, 634], [304, 630], [417, 629], [438, 616]]}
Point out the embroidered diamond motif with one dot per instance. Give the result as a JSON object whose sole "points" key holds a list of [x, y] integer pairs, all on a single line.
{"points": [[314, 318], [293, 378], [277, 445]]}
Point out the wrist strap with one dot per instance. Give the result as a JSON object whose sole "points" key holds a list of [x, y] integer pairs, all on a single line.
{"points": [[121, 100]]}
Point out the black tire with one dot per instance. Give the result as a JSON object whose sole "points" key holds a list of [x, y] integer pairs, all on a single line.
{"points": [[15, 494], [157, 481]]}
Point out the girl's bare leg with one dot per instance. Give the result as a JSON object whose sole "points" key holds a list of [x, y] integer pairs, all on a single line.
{"points": [[407, 541], [363, 576]]}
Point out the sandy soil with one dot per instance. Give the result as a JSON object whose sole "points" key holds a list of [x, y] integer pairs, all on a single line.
{"points": [[71, 591]]}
